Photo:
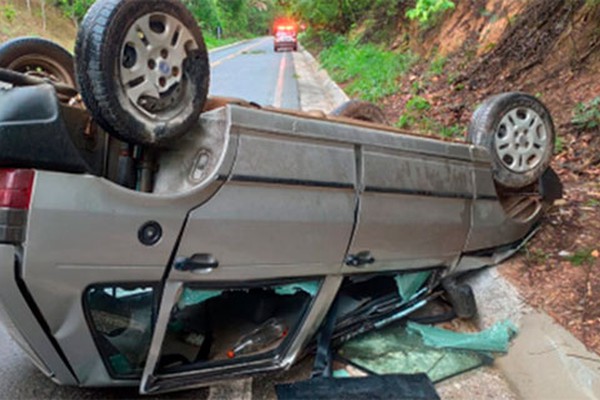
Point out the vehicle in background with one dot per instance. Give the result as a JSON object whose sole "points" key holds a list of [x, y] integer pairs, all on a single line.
{"points": [[285, 40], [286, 35]]}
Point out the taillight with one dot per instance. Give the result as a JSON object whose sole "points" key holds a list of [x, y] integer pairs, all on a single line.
{"points": [[15, 197], [15, 188]]}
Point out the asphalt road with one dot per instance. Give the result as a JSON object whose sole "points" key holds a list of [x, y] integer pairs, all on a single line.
{"points": [[254, 72], [251, 71]]}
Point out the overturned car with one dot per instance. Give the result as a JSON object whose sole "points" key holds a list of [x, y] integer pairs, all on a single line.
{"points": [[151, 236]]}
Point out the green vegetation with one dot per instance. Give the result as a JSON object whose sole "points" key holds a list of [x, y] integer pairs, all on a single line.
{"points": [[369, 71], [581, 257], [9, 12], [437, 65], [415, 116], [536, 256], [592, 203], [331, 16], [212, 42], [587, 115], [414, 113], [425, 10], [559, 145], [75, 9], [236, 18]]}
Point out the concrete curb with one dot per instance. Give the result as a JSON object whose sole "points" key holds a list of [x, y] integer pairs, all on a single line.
{"points": [[545, 360], [317, 91]]}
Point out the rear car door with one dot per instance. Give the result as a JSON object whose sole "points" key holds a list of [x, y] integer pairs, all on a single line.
{"points": [[415, 202]]}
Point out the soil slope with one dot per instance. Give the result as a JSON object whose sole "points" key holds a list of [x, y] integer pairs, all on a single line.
{"points": [[16, 20], [551, 49]]}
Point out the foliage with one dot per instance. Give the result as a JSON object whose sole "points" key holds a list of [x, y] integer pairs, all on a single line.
{"points": [[559, 144], [212, 42], [9, 12], [236, 18], [74, 9], [369, 71], [425, 10], [336, 16], [415, 116], [581, 257], [437, 65], [587, 115], [414, 111]]}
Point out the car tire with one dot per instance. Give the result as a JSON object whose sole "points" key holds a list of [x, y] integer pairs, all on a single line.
{"points": [[519, 132], [361, 111], [142, 69], [38, 57]]}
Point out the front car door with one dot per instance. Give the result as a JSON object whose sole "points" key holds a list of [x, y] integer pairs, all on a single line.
{"points": [[260, 261]]}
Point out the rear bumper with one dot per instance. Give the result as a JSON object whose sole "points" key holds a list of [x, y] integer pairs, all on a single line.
{"points": [[286, 45], [24, 325]]}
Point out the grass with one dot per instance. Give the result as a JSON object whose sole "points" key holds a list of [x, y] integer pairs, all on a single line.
{"points": [[212, 42], [416, 116], [9, 12], [587, 115], [369, 72], [559, 145], [536, 256], [581, 257], [593, 203], [437, 65]]}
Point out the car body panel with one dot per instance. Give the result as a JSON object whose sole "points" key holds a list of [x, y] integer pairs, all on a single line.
{"points": [[271, 195]]}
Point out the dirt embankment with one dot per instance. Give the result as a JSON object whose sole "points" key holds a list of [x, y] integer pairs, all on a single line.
{"points": [[17, 20], [551, 49]]}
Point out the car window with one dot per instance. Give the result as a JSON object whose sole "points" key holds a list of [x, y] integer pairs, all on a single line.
{"points": [[120, 317], [210, 325]]}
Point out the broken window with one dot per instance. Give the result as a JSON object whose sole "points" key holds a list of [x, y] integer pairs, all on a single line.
{"points": [[209, 325], [120, 317]]}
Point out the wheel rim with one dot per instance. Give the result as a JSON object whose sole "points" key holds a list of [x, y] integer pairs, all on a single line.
{"points": [[151, 64], [43, 67], [521, 140]]}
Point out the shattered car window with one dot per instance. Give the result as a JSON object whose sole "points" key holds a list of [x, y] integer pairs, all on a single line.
{"points": [[211, 325], [121, 319]]}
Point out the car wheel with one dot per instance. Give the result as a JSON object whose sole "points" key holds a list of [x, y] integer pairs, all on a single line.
{"points": [[362, 111], [40, 58], [519, 132], [143, 69]]}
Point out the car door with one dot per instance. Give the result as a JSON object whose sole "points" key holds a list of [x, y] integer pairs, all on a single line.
{"points": [[273, 237], [415, 201]]}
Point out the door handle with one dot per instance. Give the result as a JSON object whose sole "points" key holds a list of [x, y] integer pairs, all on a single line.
{"points": [[361, 259], [197, 262]]}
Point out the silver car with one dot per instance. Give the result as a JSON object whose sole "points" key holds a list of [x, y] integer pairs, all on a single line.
{"points": [[218, 253]]}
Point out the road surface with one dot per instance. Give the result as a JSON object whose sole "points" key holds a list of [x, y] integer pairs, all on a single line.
{"points": [[250, 70], [254, 72]]}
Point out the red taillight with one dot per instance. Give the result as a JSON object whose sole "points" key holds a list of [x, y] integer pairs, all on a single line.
{"points": [[15, 188]]}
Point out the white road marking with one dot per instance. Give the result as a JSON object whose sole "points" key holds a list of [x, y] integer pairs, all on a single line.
{"points": [[234, 55], [278, 100]]}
